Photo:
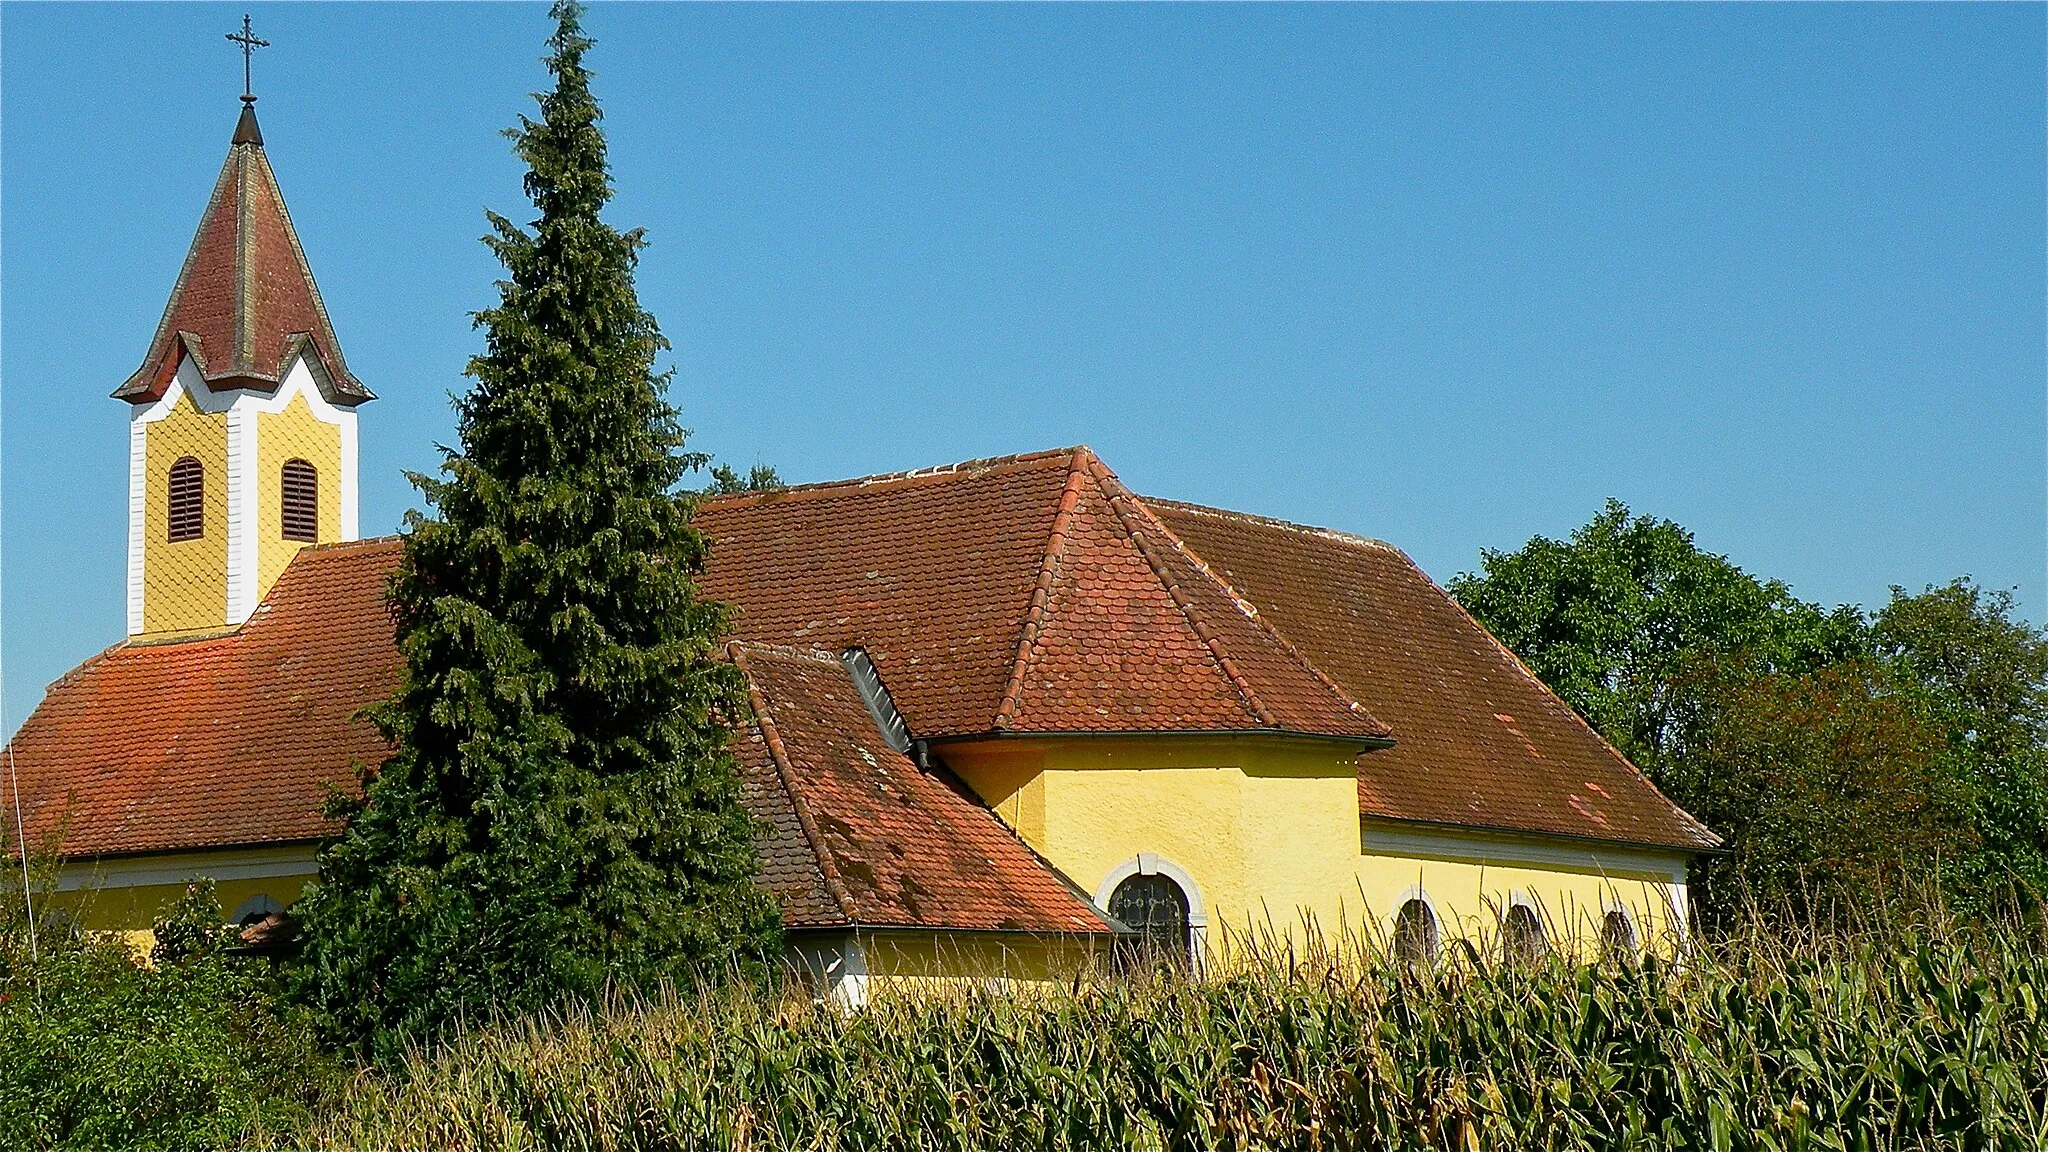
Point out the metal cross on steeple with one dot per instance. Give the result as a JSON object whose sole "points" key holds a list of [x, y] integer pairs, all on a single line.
{"points": [[247, 39]]}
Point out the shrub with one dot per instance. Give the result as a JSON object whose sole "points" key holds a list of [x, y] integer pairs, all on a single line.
{"points": [[98, 1050]]}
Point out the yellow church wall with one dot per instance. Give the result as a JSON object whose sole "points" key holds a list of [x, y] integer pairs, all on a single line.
{"points": [[1470, 879], [134, 909], [919, 960], [1264, 827], [293, 433], [1268, 831], [122, 895], [185, 583]]}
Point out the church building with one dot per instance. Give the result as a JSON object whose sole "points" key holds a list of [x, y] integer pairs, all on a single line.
{"points": [[1004, 713]]}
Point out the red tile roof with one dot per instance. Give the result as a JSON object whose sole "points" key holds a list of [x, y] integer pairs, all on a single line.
{"points": [[855, 833], [1479, 740], [231, 739], [1030, 594], [245, 300]]}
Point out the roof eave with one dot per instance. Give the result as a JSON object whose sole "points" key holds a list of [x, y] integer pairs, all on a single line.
{"points": [[1717, 849]]}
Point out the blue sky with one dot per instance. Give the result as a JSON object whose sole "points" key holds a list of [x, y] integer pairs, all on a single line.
{"points": [[1448, 276]]}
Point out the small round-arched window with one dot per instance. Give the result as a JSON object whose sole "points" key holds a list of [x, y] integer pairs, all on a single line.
{"points": [[188, 499], [1521, 935], [253, 910], [299, 491], [1156, 909], [1617, 937], [1415, 933]]}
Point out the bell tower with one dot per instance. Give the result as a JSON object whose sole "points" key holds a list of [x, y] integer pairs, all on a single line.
{"points": [[241, 420]]}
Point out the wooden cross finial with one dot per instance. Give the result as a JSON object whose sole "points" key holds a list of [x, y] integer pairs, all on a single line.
{"points": [[247, 39]]}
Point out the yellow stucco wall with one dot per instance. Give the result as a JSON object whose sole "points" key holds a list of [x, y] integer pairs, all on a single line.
{"points": [[1469, 892], [185, 584], [294, 433], [1268, 830], [132, 909], [916, 958]]}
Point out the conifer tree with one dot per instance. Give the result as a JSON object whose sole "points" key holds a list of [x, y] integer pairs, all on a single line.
{"points": [[561, 814]]}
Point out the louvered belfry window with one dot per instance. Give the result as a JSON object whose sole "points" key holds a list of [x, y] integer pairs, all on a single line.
{"points": [[301, 496], [188, 500]]}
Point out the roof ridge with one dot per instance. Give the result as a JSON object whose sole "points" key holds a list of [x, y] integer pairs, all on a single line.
{"points": [[1041, 592], [358, 542], [93, 660], [152, 360], [1117, 495], [326, 346], [1250, 610], [1550, 695], [242, 354], [935, 471], [1337, 534], [785, 772]]}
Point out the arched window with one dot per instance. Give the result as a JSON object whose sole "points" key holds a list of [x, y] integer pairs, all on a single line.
{"points": [[1415, 934], [1521, 935], [253, 910], [1155, 908], [188, 499], [299, 490], [1617, 937]]}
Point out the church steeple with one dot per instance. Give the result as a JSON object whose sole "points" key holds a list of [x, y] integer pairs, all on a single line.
{"points": [[242, 425], [245, 302]]}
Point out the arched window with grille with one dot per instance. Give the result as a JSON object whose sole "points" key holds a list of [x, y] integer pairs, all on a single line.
{"points": [[1521, 935], [188, 499], [1415, 933], [1617, 937], [299, 492], [1155, 908]]}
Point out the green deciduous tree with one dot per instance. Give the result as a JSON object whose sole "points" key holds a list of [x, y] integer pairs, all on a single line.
{"points": [[1614, 618], [1984, 675], [561, 813], [727, 481], [1834, 751], [1822, 783]]}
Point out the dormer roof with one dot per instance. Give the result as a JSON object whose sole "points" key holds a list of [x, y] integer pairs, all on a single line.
{"points": [[245, 303]]}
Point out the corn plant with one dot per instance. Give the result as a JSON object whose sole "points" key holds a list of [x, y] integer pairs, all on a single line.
{"points": [[1925, 1035]]}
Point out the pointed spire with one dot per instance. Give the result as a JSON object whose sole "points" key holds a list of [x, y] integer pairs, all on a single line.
{"points": [[245, 303], [246, 131]]}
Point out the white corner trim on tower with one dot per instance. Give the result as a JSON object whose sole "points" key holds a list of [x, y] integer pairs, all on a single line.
{"points": [[243, 575], [138, 504], [346, 497]]}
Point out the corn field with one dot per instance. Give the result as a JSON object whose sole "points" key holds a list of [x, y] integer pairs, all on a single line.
{"points": [[1925, 1037]]}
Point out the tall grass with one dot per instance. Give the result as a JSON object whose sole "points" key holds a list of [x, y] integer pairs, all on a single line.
{"points": [[1929, 1034]]}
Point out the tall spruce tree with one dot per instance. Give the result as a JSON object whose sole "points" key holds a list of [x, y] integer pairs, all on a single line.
{"points": [[561, 814]]}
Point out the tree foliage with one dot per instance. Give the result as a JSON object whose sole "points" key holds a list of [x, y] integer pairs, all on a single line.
{"points": [[1984, 675], [561, 813], [727, 481], [1616, 618], [1832, 749]]}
